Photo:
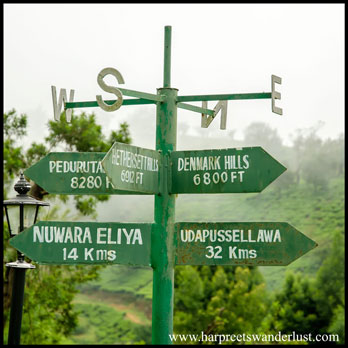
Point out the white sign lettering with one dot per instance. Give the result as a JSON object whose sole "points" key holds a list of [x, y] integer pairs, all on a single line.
{"points": [[230, 236], [79, 235], [57, 105]]}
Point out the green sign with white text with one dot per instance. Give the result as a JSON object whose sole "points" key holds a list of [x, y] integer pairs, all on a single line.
{"points": [[75, 243], [72, 173], [239, 243], [247, 169], [133, 168]]}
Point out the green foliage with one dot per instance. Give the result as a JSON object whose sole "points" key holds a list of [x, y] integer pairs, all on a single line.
{"points": [[136, 281], [48, 310], [294, 308], [318, 160], [105, 325], [313, 173], [35, 153], [14, 125], [121, 136], [83, 134], [14, 159], [285, 182], [330, 283], [260, 134], [312, 305], [337, 326], [218, 299], [86, 205]]}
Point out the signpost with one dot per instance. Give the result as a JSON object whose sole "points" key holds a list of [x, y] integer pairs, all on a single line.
{"points": [[73, 173], [163, 172], [248, 169], [132, 168], [76, 243], [239, 243]]}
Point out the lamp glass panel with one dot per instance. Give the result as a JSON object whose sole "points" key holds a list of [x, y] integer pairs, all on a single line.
{"points": [[13, 216], [43, 213], [29, 215]]}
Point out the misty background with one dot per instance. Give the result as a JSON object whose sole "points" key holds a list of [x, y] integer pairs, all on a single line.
{"points": [[216, 48]]}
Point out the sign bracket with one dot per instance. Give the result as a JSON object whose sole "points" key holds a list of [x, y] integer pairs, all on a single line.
{"points": [[195, 108], [207, 114]]}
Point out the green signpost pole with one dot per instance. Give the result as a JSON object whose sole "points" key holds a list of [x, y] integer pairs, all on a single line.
{"points": [[162, 241]]}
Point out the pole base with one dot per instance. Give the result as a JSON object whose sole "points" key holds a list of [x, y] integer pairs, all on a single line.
{"points": [[20, 264]]}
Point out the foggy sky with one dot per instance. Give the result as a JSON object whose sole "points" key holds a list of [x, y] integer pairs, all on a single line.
{"points": [[216, 48]]}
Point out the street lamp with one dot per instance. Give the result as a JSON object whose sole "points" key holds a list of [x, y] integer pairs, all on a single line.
{"points": [[21, 212]]}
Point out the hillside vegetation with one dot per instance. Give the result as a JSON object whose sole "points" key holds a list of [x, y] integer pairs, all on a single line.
{"points": [[112, 304], [319, 215], [309, 196]]}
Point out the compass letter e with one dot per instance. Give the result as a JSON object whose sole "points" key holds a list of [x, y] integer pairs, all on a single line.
{"points": [[276, 95]]}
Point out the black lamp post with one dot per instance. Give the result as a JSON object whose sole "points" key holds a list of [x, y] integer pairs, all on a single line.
{"points": [[21, 213]]}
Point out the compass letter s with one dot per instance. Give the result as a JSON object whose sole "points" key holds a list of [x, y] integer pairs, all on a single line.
{"points": [[110, 89]]}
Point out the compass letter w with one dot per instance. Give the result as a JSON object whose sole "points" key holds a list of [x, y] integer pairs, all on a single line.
{"points": [[57, 105]]}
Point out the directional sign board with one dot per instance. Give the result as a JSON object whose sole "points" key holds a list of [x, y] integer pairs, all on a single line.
{"points": [[72, 173], [132, 168], [248, 169], [239, 243], [74, 243]]}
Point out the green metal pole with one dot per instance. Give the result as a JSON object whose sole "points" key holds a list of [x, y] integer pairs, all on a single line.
{"points": [[14, 333], [167, 56], [17, 299], [162, 248]]}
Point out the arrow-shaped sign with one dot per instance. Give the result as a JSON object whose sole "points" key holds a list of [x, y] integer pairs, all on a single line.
{"points": [[239, 243], [132, 168], [248, 169], [74, 243], [73, 173]]}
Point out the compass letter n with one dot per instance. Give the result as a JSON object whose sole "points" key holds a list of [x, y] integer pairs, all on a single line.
{"points": [[207, 119], [57, 105]]}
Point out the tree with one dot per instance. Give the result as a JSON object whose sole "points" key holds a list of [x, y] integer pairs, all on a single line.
{"points": [[285, 181], [294, 308], [313, 173], [312, 305], [337, 325], [216, 299], [83, 134], [260, 134], [317, 161], [330, 282], [14, 129], [333, 150], [48, 312]]}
